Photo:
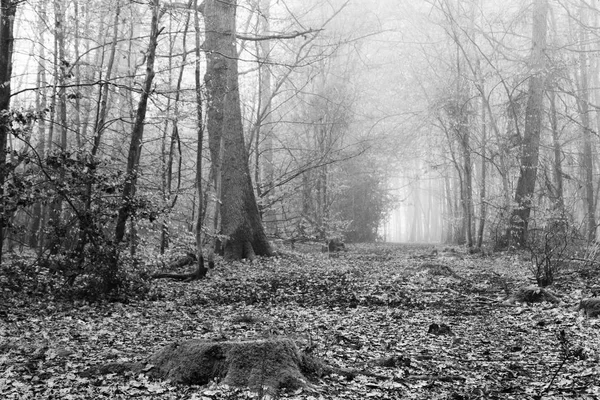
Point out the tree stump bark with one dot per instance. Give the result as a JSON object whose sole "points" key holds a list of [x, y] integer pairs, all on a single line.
{"points": [[271, 363]]}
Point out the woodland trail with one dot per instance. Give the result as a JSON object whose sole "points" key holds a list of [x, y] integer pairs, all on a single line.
{"points": [[373, 302]]}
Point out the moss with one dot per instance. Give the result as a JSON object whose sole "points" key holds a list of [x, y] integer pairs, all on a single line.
{"points": [[271, 363]]}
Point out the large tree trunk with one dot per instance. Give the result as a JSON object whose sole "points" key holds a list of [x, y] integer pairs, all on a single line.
{"points": [[533, 126], [240, 218]]}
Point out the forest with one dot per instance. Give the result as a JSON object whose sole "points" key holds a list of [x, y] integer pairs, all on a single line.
{"points": [[219, 199]]}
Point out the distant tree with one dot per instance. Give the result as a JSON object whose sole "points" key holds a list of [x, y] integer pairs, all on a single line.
{"points": [[583, 106], [362, 200]]}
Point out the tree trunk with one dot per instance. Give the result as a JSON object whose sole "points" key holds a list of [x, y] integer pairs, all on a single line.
{"points": [[483, 185], [467, 185], [7, 15], [86, 227], [266, 120], [135, 148], [448, 236], [76, 50], [533, 126], [36, 227], [168, 157], [60, 105], [557, 194], [240, 218], [583, 101], [200, 270]]}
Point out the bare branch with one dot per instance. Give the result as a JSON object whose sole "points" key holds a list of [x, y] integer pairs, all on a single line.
{"points": [[292, 35], [184, 6]]}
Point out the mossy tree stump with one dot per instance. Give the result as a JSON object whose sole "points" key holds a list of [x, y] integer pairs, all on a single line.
{"points": [[272, 363]]}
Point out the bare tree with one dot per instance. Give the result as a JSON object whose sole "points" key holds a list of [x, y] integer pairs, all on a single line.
{"points": [[135, 147], [533, 126]]}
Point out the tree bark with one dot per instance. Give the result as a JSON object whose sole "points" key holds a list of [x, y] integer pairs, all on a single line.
{"points": [[265, 119], [135, 148], [533, 126], [583, 103], [483, 184], [200, 270], [240, 218], [7, 15], [558, 196], [36, 226], [168, 156]]}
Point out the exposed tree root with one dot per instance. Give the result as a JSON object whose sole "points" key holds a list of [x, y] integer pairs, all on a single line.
{"points": [[532, 294], [189, 259]]}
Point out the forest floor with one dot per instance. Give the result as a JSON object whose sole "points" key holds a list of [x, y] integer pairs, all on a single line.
{"points": [[372, 301]]}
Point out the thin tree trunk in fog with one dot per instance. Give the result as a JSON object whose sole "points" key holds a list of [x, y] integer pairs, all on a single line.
{"points": [[103, 92], [265, 117], [200, 269], [584, 110], [174, 142], [86, 228], [558, 198], [449, 225], [427, 222], [467, 189], [483, 184], [135, 148], [36, 227], [77, 109], [459, 218], [61, 67], [534, 111]]}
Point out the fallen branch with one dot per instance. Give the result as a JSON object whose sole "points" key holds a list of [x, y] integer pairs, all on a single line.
{"points": [[189, 259]]}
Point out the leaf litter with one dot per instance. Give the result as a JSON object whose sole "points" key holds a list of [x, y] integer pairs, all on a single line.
{"points": [[371, 309]]}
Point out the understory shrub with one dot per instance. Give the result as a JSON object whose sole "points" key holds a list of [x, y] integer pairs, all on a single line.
{"points": [[551, 246], [61, 275]]}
